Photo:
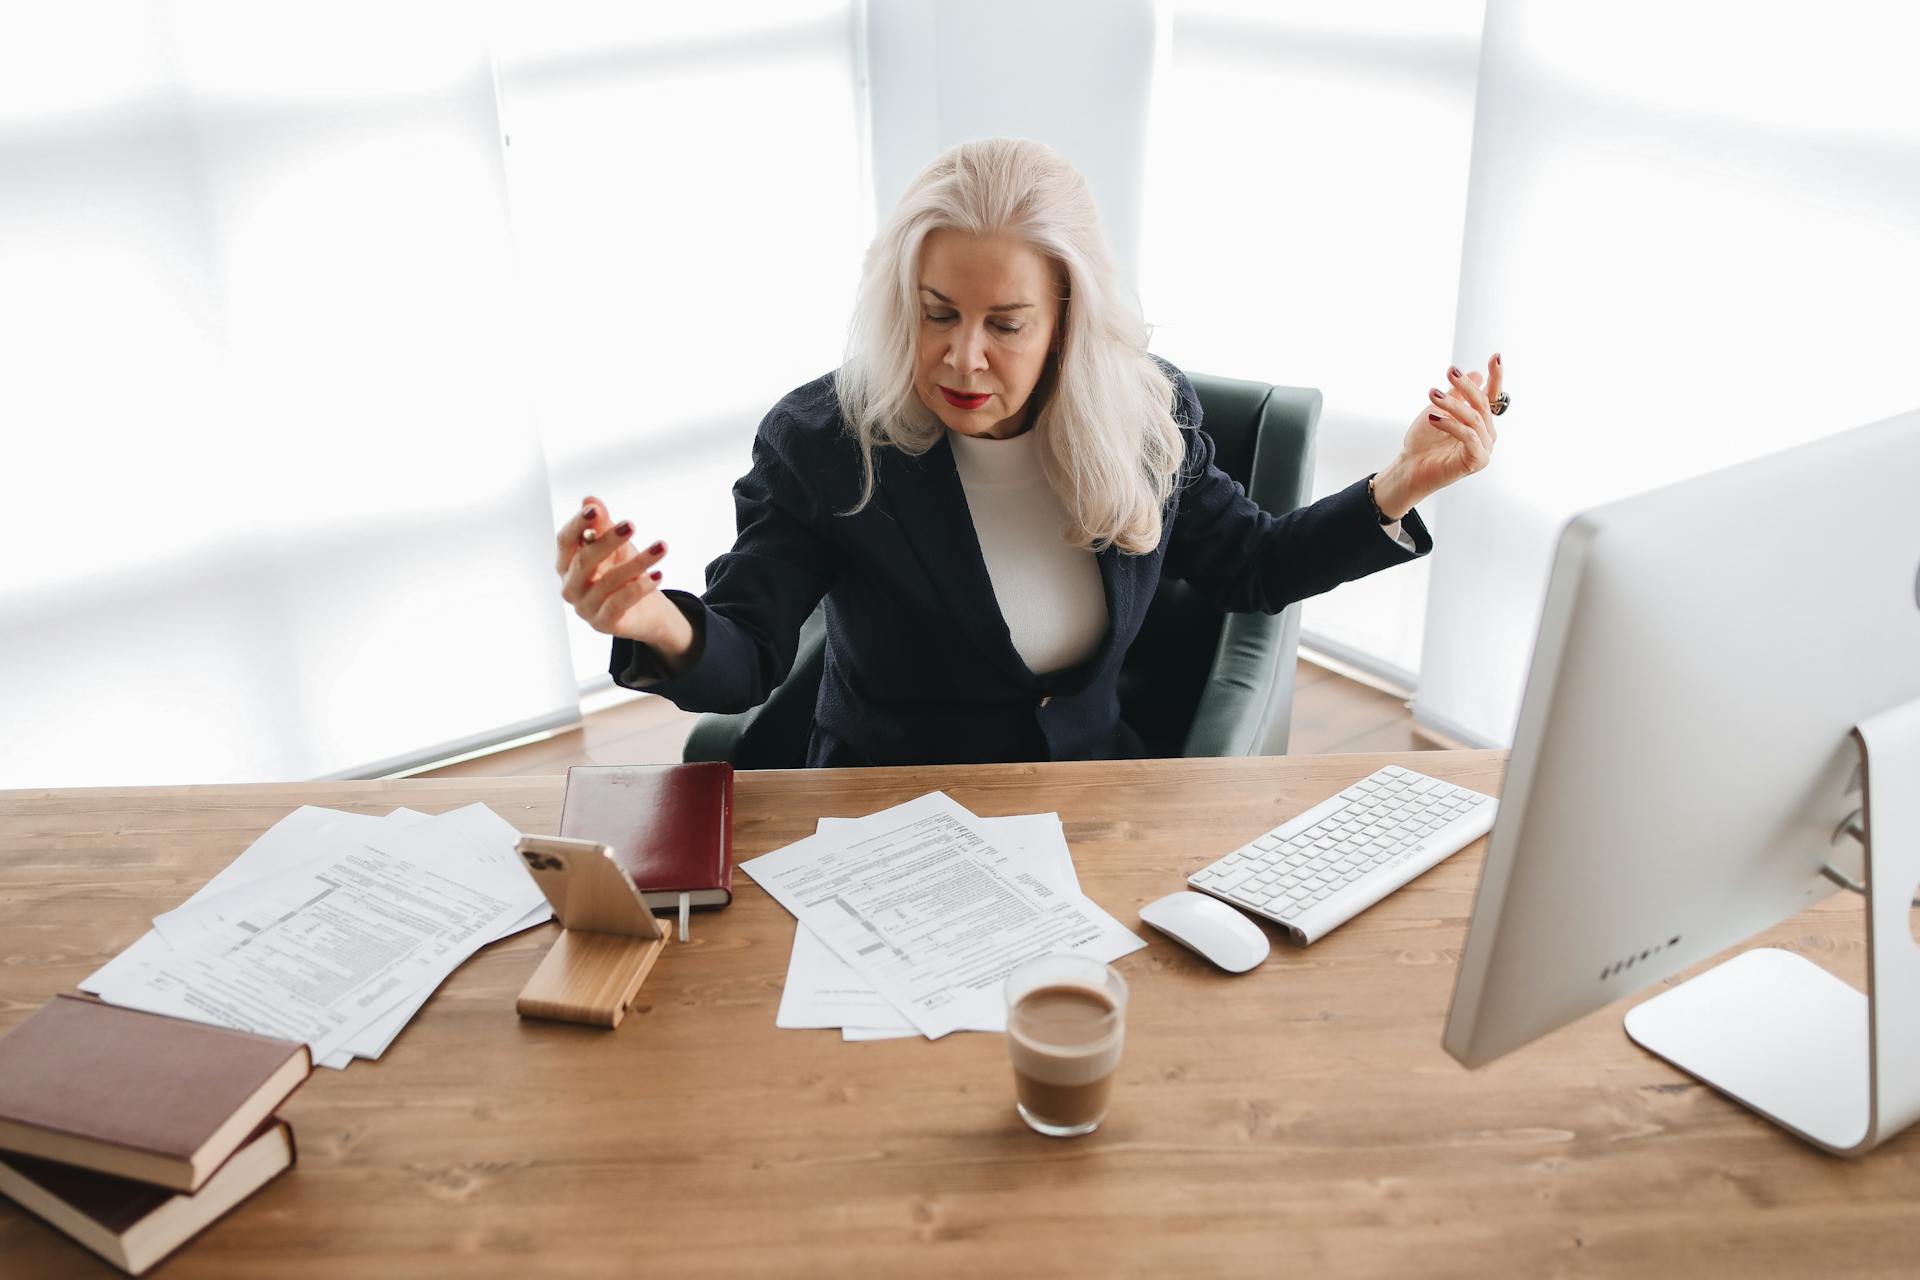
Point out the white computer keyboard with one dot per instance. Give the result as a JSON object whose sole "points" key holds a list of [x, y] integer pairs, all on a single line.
{"points": [[1315, 872]]}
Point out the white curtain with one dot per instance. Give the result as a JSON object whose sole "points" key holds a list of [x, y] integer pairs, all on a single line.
{"points": [[1694, 233], [271, 505], [275, 505], [1306, 190], [689, 212], [1075, 74]]}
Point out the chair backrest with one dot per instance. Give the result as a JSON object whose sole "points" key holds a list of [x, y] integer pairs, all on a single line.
{"points": [[1195, 682], [1198, 682], [774, 734]]}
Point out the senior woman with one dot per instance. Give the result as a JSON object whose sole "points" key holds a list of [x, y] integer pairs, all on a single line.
{"points": [[986, 493]]}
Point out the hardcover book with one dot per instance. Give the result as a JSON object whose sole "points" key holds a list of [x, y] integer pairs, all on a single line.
{"points": [[138, 1095], [134, 1224]]}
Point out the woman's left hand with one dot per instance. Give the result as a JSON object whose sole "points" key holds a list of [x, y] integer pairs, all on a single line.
{"points": [[1451, 438]]}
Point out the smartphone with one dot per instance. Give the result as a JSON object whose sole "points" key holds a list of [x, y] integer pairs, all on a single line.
{"points": [[590, 892]]}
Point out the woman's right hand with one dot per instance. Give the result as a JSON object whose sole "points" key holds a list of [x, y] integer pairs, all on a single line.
{"points": [[614, 586]]}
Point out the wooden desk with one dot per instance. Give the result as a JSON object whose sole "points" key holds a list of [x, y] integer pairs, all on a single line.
{"points": [[1303, 1115]]}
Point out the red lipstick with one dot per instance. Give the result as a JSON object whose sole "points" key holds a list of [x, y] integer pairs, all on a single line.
{"points": [[959, 401]]}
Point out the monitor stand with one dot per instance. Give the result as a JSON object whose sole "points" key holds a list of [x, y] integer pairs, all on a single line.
{"points": [[1777, 1033]]}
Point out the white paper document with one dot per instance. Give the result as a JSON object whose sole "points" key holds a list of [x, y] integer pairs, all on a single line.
{"points": [[822, 990], [333, 928], [491, 840], [932, 911]]}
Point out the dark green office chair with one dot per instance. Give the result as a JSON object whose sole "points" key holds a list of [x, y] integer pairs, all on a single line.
{"points": [[1196, 682]]}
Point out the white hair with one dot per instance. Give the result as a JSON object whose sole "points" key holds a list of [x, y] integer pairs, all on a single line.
{"points": [[1108, 441]]}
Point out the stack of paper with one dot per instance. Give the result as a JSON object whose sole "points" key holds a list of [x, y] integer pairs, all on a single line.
{"points": [[332, 928], [911, 918]]}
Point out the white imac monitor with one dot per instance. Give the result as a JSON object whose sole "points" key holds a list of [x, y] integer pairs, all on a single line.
{"points": [[1722, 717]]}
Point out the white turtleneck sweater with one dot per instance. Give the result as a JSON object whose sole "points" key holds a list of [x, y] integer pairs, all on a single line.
{"points": [[1049, 591]]}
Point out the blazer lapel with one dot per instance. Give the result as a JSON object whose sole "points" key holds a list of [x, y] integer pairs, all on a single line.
{"points": [[930, 504]]}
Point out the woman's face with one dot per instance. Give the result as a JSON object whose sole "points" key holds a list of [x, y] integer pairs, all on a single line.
{"points": [[988, 312]]}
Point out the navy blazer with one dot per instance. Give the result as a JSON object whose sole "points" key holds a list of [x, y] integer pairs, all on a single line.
{"points": [[920, 667]]}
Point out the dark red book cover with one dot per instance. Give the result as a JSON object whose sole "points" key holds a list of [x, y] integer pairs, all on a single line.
{"points": [[670, 826]]}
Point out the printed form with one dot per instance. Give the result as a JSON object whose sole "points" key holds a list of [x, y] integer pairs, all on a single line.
{"points": [[332, 928], [822, 990], [920, 902], [319, 952]]}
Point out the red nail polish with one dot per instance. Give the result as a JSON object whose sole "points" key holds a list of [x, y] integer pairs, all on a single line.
{"points": [[655, 575], [1433, 417], [624, 528], [1496, 358], [1434, 392], [656, 548], [588, 514], [1453, 373]]}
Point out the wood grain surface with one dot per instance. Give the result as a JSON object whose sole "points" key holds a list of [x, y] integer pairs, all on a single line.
{"points": [[1300, 1118]]}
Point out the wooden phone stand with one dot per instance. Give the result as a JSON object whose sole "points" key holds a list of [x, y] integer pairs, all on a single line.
{"points": [[589, 977]]}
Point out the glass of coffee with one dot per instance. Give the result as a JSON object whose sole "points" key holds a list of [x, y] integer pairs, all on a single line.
{"points": [[1066, 1022]]}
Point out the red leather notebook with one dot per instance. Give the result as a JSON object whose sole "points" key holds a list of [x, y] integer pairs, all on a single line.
{"points": [[670, 826]]}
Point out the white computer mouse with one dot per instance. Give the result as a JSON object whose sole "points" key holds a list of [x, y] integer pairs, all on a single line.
{"points": [[1210, 927]]}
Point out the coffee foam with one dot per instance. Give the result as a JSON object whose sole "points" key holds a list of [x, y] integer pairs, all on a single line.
{"points": [[1078, 1065]]}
